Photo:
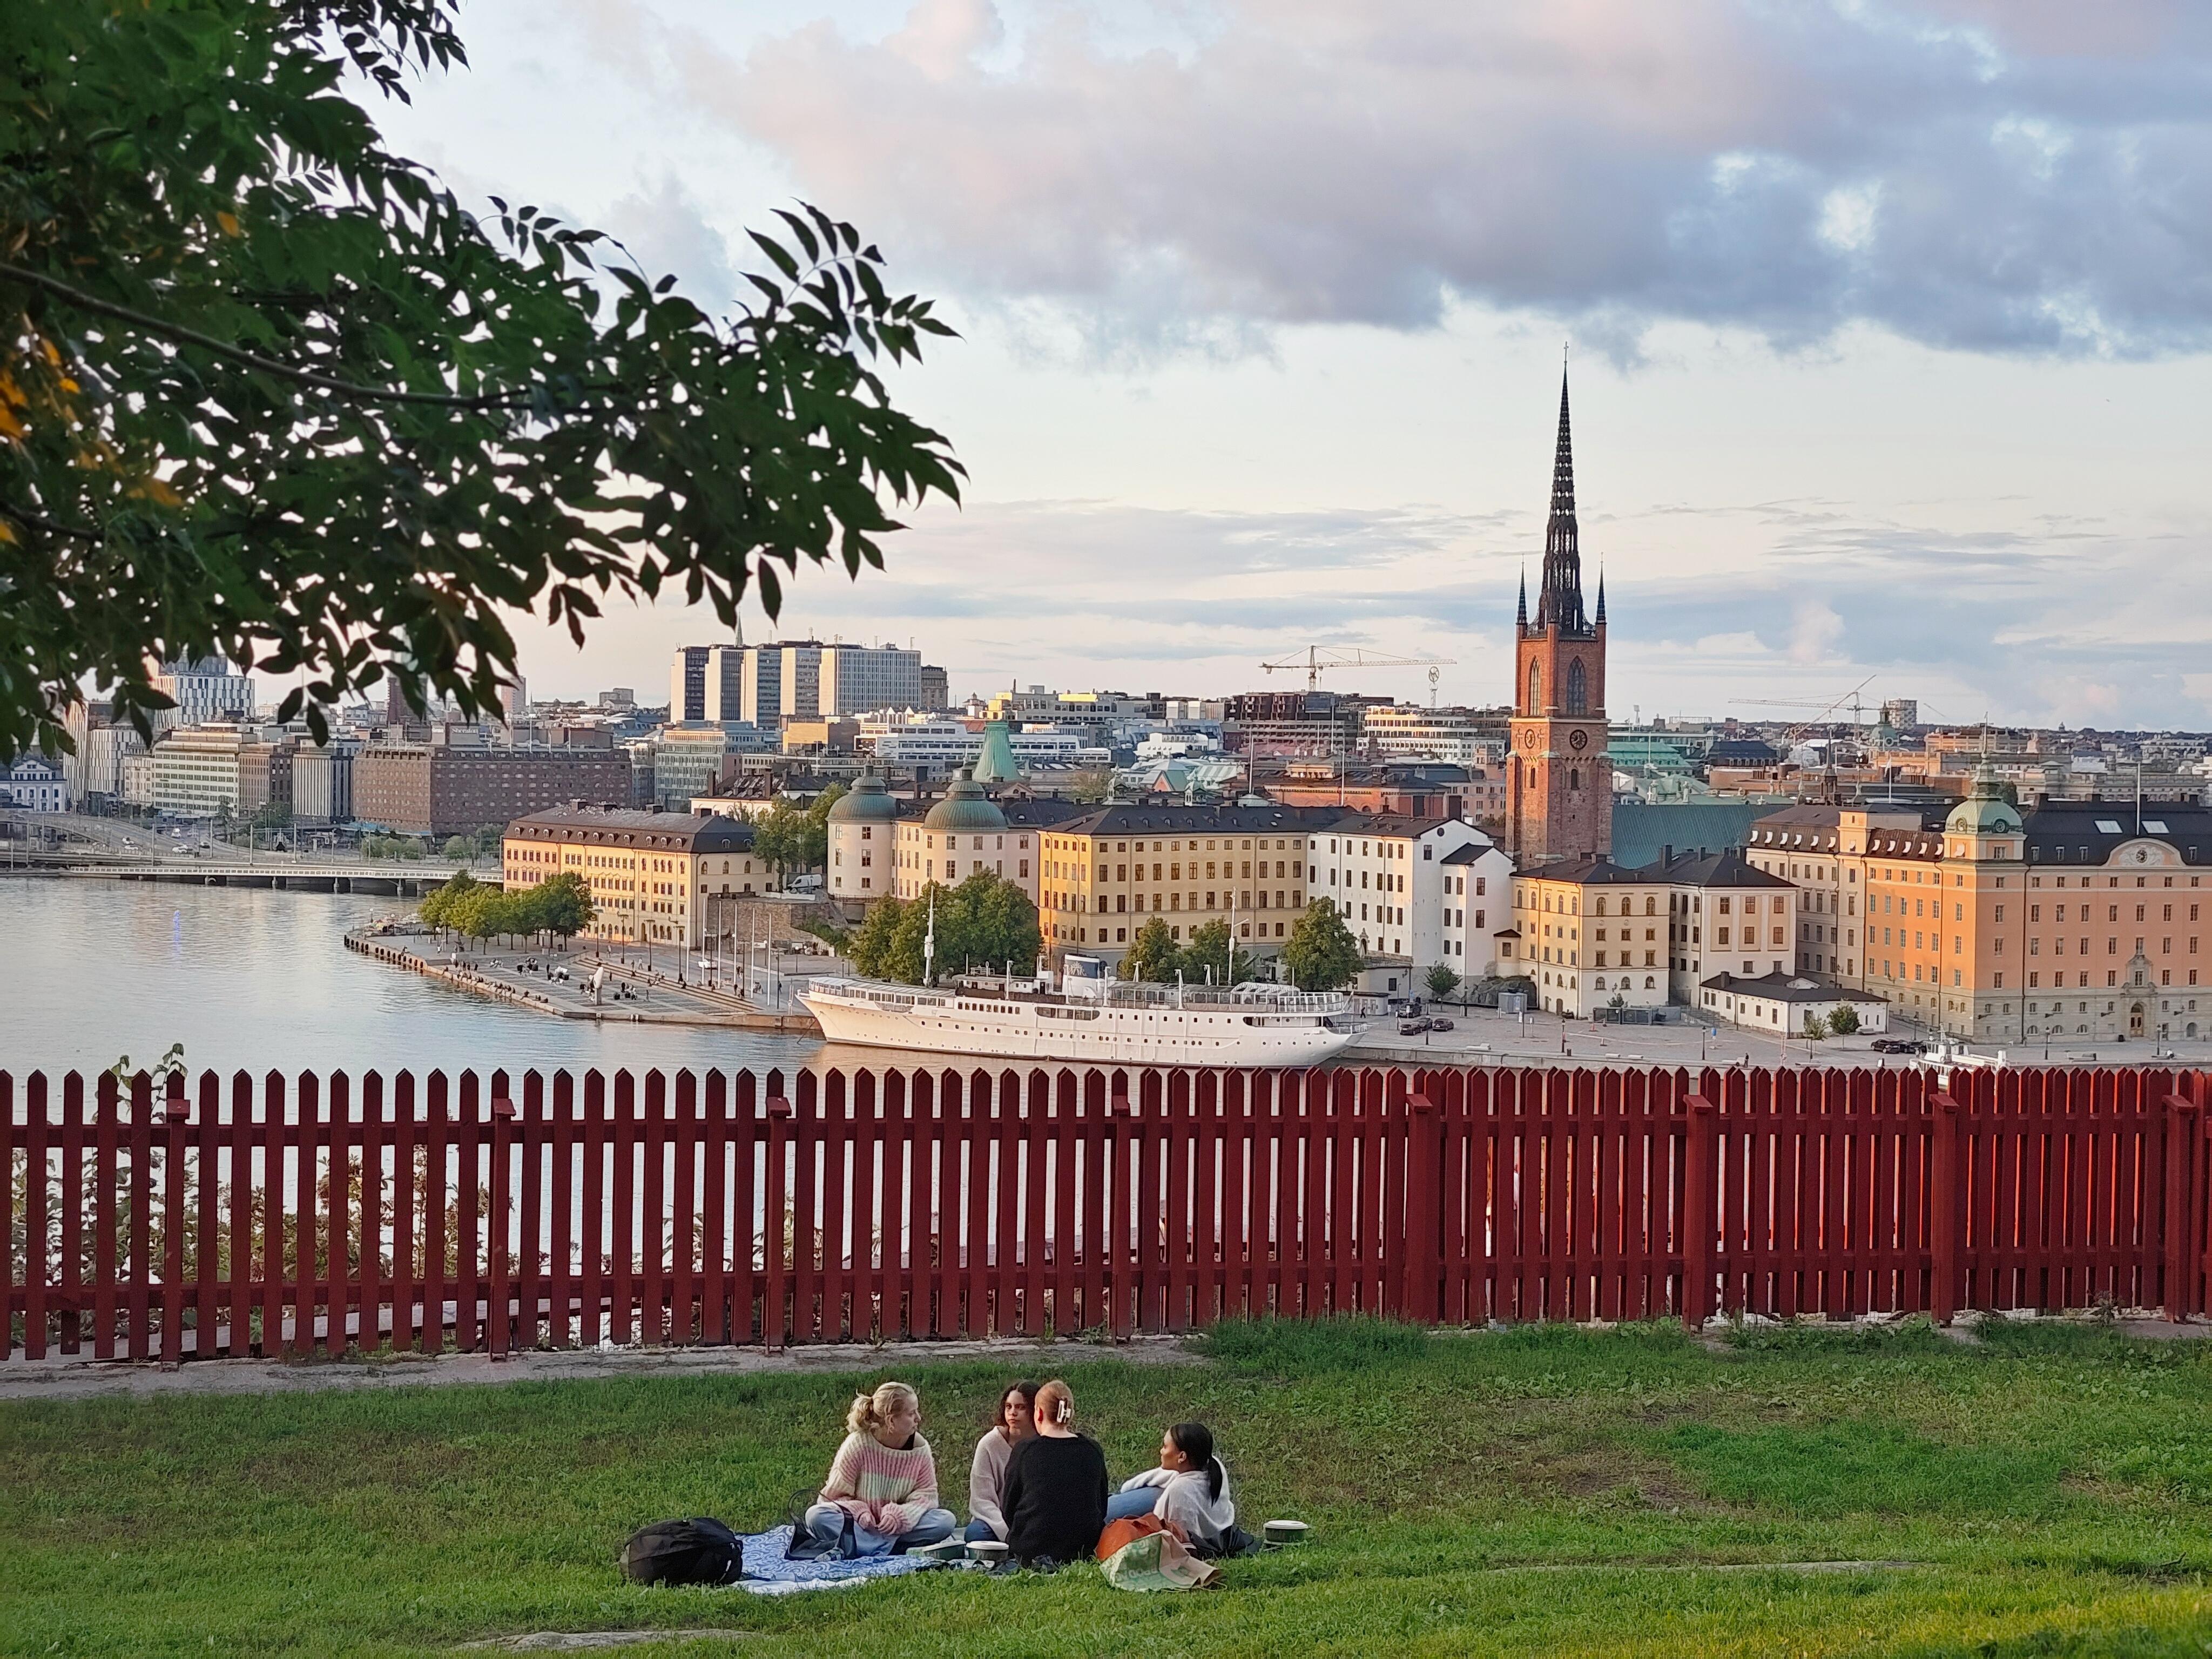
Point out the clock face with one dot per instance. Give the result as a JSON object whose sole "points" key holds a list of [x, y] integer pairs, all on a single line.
{"points": [[1577, 740], [1528, 740]]}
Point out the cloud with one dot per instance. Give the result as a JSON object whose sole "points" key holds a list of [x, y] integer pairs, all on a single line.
{"points": [[2014, 176], [665, 230], [1077, 593]]}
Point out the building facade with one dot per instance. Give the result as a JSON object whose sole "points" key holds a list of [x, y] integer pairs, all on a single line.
{"points": [[1591, 934], [1414, 890], [1558, 784], [205, 690], [34, 784], [653, 876], [437, 789], [322, 783], [2077, 921], [1725, 915]]}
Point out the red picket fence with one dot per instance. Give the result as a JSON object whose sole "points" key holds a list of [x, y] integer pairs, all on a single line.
{"points": [[285, 1216]]}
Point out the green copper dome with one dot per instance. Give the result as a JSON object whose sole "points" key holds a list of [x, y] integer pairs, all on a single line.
{"points": [[1985, 811], [965, 809], [867, 802]]}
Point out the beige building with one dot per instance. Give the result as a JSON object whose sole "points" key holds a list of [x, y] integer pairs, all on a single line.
{"points": [[652, 875], [1592, 935]]}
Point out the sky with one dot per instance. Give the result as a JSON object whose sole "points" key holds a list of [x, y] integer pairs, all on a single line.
{"points": [[1888, 324]]}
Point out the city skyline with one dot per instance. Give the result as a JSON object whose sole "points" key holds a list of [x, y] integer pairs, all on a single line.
{"points": [[1890, 412]]}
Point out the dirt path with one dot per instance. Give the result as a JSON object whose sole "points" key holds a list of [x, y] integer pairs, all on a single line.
{"points": [[79, 1379]]}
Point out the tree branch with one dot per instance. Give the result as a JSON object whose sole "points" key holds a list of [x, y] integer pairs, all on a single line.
{"points": [[179, 332], [52, 527]]}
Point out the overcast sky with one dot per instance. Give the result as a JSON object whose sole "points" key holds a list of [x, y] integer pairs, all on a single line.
{"points": [[1889, 324]]}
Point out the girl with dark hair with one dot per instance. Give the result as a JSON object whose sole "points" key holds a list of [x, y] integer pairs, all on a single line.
{"points": [[1189, 1490], [1055, 1494], [987, 1473]]}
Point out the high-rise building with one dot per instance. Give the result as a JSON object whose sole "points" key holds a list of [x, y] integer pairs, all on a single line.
{"points": [[857, 679], [936, 689], [1559, 783], [687, 685], [205, 690]]}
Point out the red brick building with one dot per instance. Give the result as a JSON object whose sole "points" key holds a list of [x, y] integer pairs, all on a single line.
{"points": [[1559, 783]]}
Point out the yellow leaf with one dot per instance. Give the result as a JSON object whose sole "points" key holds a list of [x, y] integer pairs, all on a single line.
{"points": [[9, 426], [228, 222], [158, 490], [6, 533]]}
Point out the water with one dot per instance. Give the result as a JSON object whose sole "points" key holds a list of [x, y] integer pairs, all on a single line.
{"points": [[247, 977]]}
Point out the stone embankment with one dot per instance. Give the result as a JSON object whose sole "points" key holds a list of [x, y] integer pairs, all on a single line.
{"points": [[679, 1005]]}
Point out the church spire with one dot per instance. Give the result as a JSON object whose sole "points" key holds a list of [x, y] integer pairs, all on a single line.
{"points": [[1521, 617], [1560, 602], [1601, 596]]}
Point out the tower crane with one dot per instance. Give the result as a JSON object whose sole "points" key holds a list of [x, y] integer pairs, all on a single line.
{"points": [[1319, 659]]}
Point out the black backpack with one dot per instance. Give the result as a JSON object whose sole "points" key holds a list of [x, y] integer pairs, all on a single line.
{"points": [[700, 1551]]}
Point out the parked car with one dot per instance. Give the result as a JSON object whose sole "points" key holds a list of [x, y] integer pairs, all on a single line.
{"points": [[1415, 1027], [1439, 1023], [1898, 1046]]}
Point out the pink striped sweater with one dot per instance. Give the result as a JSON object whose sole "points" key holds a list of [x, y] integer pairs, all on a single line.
{"points": [[884, 1489]]}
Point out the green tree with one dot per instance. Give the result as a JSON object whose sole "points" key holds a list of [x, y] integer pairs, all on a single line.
{"points": [[1094, 786], [269, 389], [461, 848], [1845, 1021], [1816, 1028], [271, 815], [1322, 953], [1153, 957], [1002, 922], [1207, 957], [1442, 981], [779, 839], [437, 907], [870, 944], [563, 905]]}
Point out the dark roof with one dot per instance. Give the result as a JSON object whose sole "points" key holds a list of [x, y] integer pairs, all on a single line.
{"points": [[1388, 823], [1727, 869], [1165, 820], [1787, 987], [1590, 872], [2075, 832], [1741, 751], [1468, 853], [678, 832]]}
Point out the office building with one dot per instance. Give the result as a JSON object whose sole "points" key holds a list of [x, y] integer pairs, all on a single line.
{"points": [[322, 783], [205, 690], [442, 789]]}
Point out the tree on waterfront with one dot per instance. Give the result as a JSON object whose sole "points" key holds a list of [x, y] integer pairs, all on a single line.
{"points": [[437, 907], [461, 848], [270, 389], [1322, 953], [983, 924], [1206, 960], [561, 905], [872, 943], [1153, 957]]}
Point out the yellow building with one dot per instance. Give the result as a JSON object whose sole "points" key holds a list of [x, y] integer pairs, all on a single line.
{"points": [[2078, 920], [651, 874], [1105, 874], [1591, 934]]}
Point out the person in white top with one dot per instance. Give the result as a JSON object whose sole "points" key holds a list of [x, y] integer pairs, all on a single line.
{"points": [[987, 1472], [1189, 1490]]}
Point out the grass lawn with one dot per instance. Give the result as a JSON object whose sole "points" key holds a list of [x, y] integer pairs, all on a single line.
{"points": [[1552, 1490]]}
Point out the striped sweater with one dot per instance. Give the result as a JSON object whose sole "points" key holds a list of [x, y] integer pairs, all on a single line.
{"points": [[887, 1490]]}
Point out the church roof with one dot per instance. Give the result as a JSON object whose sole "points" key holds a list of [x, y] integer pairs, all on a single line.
{"points": [[1559, 601]]}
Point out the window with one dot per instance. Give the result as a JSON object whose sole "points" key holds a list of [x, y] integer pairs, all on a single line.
{"points": [[1535, 688], [1577, 689]]}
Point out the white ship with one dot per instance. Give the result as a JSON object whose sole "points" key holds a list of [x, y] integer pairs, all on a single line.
{"points": [[1091, 1019]]}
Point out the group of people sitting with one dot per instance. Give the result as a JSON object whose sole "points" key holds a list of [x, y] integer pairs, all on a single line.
{"points": [[1036, 1484]]}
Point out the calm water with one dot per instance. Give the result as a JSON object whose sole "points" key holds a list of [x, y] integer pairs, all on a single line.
{"points": [[93, 970]]}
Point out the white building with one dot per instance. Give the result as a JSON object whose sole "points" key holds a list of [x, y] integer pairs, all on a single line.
{"points": [[937, 744], [96, 767], [34, 784], [1425, 891], [1781, 1003], [1405, 732], [205, 690]]}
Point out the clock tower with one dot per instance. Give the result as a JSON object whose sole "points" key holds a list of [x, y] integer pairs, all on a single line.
{"points": [[1559, 783]]}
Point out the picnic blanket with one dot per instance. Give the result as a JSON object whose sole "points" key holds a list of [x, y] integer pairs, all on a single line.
{"points": [[767, 1573]]}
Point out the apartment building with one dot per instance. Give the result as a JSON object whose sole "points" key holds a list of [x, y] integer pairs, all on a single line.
{"points": [[1591, 934], [322, 783], [445, 789], [205, 771], [1414, 890], [653, 876], [1725, 916]]}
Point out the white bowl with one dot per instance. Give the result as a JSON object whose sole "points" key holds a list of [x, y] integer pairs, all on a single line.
{"points": [[1279, 1532]]}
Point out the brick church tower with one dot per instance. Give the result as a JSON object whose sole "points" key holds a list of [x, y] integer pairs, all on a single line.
{"points": [[1559, 783]]}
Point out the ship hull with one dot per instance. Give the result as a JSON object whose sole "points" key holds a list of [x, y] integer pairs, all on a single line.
{"points": [[1163, 1035]]}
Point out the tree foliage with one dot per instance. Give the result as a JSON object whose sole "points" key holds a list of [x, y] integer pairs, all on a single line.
{"points": [[1320, 952], [1844, 1020], [1153, 957], [267, 389], [1206, 958], [1442, 980], [560, 905], [984, 924]]}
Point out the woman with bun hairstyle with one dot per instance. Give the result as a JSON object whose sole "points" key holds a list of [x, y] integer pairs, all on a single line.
{"points": [[1189, 1491], [881, 1495], [1056, 1490], [987, 1473]]}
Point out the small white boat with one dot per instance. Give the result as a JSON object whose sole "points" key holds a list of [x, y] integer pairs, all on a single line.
{"points": [[1091, 1019]]}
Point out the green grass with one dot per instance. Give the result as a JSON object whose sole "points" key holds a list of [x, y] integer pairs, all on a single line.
{"points": [[1538, 1492]]}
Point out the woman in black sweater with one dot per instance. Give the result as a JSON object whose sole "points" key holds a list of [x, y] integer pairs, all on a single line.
{"points": [[1056, 1490]]}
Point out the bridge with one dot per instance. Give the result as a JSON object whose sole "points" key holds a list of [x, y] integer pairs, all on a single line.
{"points": [[330, 876]]}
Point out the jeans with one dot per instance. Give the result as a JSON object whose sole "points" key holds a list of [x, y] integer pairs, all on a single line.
{"points": [[828, 1523], [1129, 1505], [979, 1532]]}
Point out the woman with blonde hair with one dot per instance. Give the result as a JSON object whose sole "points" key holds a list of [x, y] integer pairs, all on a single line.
{"points": [[1056, 1490], [881, 1495]]}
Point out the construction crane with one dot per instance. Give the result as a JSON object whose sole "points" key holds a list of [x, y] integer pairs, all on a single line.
{"points": [[1850, 700], [1319, 659]]}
